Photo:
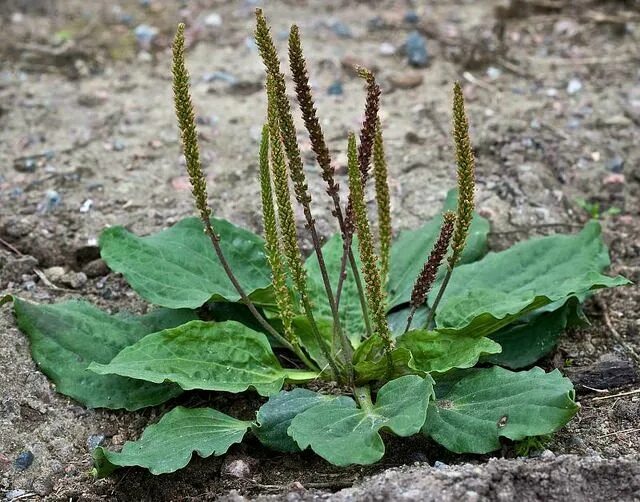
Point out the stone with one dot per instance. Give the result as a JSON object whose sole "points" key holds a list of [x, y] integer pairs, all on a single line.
{"points": [[406, 80], [75, 280], [23, 461], [96, 268], [237, 468], [54, 274], [335, 89], [416, 50], [94, 440], [616, 164], [574, 86]]}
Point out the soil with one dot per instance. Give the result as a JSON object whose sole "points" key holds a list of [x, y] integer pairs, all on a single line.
{"points": [[88, 140]]}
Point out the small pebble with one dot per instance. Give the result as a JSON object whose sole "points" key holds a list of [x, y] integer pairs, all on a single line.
{"points": [[616, 164], [213, 20], [86, 206], [411, 17], [407, 80], [94, 440], [574, 86], [376, 23], [387, 49], [335, 89], [416, 49], [75, 280], [54, 274], [547, 455], [117, 440], [92, 99], [341, 29], [24, 461], [118, 145], [471, 496], [145, 34], [220, 75], [51, 200], [493, 73], [614, 179], [237, 469], [144, 57], [14, 494], [440, 465], [96, 268]]}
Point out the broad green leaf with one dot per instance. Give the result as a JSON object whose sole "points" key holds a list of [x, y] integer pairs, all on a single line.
{"points": [[398, 319], [66, 337], [344, 434], [169, 444], [178, 267], [470, 415], [351, 317], [412, 247], [378, 368], [371, 362], [302, 328], [224, 356], [440, 352], [524, 343], [486, 295], [275, 416]]}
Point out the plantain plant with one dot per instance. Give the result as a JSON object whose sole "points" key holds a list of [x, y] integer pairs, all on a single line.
{"points": [[428, 335]]}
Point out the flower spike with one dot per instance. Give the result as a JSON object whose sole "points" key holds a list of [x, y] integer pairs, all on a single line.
{"points": [[466, 174], [272, 243], [187, 125], [375, 292], [427, 276], [383, 201]]}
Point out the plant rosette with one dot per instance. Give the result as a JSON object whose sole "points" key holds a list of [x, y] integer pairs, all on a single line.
{"points": [[430, 334]]}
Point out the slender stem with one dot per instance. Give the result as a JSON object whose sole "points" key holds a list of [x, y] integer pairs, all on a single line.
{"points": [[363, 300], [346, 247], [306, 305], [337, 328], [358, 280], [412, 312], [303, 357], [436, 302], [215, 241]]}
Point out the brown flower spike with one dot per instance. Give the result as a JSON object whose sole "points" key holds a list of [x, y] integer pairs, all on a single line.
{"points": [[427, 276]]}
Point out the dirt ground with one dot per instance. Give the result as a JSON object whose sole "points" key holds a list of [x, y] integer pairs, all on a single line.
{"points": [[87, 140]]}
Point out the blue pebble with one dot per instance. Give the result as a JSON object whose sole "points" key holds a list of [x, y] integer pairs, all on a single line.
{"points": [[411, 17], [145, 34], [24, 461], [341, 29], [94, 440], [335, 89], [616, 164], [376, 23], [416, 49]]}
